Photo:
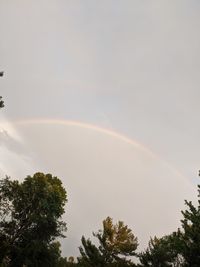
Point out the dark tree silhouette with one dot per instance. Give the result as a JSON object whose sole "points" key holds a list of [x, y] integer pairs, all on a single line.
{"points": [[30, 214], [1, 101]]}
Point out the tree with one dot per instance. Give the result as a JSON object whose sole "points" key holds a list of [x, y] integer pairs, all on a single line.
{"points": [[30, 220], [1, 102], [162, 252], [186, 241], [182, 248], [189, 238], [116, 242]]}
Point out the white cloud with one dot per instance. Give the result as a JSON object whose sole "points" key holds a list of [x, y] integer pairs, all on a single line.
{"points": [[16, 158]]}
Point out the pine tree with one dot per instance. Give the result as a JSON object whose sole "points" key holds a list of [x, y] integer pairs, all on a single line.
{"points": [[162, 252], [116, 243], [190, 236]]}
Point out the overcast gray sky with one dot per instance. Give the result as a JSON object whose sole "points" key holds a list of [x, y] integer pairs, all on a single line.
{"points": [[128, 66]]}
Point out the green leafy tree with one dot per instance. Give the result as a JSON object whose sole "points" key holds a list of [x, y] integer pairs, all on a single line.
{"points": [[30, 220], [116, 243]]}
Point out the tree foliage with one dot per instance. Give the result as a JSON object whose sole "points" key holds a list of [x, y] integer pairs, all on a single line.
{"points": [[162, 252], [1, 102], [189, 239], [116, 242], [182, 247], [30, 219]]}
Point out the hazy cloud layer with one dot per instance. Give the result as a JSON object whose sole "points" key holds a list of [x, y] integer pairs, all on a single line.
{"points": [[132, 66], [106, 176], [135, 61]]}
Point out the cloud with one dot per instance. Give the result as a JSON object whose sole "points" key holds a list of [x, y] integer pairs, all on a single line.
{"points": [[16, 159], [106, 176], [135, 61]]}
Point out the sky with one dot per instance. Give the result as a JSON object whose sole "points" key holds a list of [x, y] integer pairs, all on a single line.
{"points": [[104, 94]]}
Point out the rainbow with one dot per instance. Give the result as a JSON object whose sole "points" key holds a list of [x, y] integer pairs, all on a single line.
{"points": [[88, 126], [109, 132]]}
